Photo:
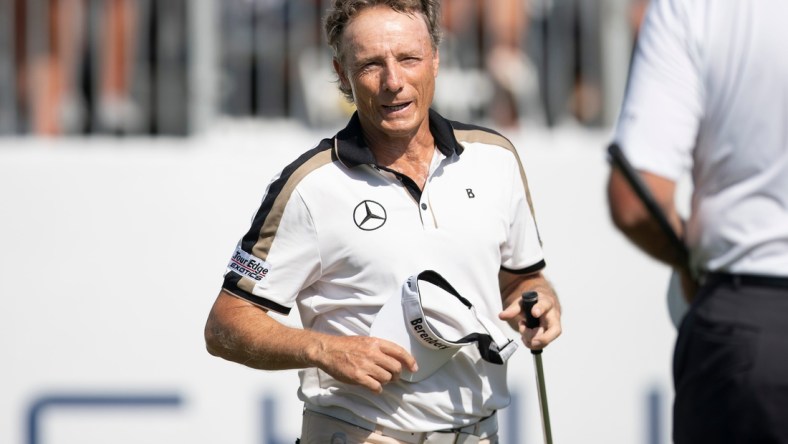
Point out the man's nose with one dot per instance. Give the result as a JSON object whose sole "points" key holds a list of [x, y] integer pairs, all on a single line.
{"points": [[393, 77]]}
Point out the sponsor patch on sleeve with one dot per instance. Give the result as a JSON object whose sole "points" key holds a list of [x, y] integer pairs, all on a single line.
{"points": [[248, 265]]}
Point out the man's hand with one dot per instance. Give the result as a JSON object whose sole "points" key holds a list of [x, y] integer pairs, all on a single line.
{"points": [[689, 286], [362, 360], [241, 332], [547, 309]]}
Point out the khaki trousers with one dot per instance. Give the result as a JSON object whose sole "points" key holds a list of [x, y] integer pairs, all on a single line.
{"points": [[321, 429]]}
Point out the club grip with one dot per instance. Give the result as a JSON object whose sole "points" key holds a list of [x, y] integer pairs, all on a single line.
{"points": [[527, 302]]}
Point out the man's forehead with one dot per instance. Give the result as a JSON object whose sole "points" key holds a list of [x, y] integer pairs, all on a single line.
{"points": [[389, 31], [383, 22]]}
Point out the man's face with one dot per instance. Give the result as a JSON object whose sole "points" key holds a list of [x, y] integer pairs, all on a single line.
{"points": [[390, 66]]}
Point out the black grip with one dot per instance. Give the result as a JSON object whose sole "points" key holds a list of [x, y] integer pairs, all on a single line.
{"points": [[527, 302]]}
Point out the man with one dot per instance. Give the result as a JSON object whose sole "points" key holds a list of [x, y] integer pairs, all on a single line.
{"points": [[399, 192], [709, 91]]}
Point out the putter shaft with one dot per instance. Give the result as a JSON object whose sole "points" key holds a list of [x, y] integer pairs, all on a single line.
{"points": [[527, 301], [542, 391]]}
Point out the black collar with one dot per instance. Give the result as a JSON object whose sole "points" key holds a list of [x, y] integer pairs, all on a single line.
{"points": [[352, 150]]}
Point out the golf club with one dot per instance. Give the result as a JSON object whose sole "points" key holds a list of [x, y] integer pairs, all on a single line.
{"points": [[677, 303], [527, 302], [620, 161]]}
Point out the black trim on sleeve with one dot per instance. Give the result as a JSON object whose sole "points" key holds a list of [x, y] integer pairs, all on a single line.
{"points": [[528, 270], [231, 285]]}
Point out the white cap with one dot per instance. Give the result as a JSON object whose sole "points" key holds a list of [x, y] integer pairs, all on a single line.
{"points": [[430, 319]]}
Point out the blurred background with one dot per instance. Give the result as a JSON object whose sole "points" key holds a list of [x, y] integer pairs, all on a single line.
{"points": [[137, 138], [176, 67]]}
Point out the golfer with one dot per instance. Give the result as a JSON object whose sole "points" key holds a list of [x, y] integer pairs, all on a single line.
{"points": [[708, 93], [382, 237]]}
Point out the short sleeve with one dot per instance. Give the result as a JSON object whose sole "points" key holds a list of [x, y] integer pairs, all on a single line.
{"points": [[276, 260], [522, 251], [659, 120]]}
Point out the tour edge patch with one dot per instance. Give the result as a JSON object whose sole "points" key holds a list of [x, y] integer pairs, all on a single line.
{"points": [[248, 265]]}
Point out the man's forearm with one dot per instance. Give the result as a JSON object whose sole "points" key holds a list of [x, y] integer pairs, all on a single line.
{"points": [[246, 334], [632, 218], [650, 238]]}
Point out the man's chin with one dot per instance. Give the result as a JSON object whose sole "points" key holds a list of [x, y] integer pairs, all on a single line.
{"points": [[403, 125]]}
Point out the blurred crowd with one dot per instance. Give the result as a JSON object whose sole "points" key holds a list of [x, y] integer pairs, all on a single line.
{"points": [[93, 67], [122, 67]]}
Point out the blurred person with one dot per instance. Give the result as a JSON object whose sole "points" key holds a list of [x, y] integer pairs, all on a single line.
{"points": [[51, 60], [48, 60], [117, 110], [400, 207], [708, 94], [498, 30], [572, 59]]}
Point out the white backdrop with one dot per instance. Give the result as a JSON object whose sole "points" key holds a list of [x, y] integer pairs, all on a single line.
{"points": [[112, 251]]}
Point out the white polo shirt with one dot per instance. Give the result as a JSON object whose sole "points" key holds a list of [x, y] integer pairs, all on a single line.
{"points": [[708, 90], [337, 236]]}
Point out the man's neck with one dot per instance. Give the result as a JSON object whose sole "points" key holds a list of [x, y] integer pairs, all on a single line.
{"points": [[411, 158]]}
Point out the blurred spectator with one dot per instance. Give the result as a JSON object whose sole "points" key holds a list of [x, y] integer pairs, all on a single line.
{"points": [[571, 80], [491, 35], [48, 48], [101, 66], [117, 110], [274, 64]]}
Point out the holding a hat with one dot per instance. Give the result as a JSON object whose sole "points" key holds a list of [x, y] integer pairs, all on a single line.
{"points": [[402, 242]]}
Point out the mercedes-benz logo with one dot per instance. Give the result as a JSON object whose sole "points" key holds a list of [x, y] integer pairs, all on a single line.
{"points": [[369, 215]]}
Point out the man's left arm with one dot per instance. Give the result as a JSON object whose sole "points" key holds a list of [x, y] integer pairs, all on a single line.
{"points": [[547, 309]]}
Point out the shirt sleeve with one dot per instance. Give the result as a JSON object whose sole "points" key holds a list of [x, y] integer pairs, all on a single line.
{"points": [[522, 251], [659, 120], [277, 258]]}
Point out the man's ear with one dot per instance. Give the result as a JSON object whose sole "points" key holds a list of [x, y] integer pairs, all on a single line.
{"points": [[341, 74]]}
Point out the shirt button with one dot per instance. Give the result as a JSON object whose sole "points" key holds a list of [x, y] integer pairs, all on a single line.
{"points": [[423, 206]]}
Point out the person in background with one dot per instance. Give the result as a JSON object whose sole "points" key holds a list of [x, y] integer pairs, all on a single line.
{"points": [[708, 94], [52, 52], [48, 55], [498, 32], [117, 110], [398, 200]]}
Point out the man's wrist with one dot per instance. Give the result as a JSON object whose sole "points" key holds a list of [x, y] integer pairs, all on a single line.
{"points": [[313, 350]]}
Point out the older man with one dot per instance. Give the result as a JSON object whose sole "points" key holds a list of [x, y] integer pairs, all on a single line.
{"points": [[400, 205]]}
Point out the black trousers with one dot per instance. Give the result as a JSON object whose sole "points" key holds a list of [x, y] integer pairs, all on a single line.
{"points": [[730, 366]]}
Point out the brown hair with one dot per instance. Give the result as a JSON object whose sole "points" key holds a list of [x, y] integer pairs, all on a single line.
{"points": [[342, 11]]}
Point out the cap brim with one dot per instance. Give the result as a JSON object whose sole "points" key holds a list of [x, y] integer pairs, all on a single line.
{"points": [[430, 320]]}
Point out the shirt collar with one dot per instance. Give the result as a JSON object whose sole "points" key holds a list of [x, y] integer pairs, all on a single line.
{"points": [[352, 150]]}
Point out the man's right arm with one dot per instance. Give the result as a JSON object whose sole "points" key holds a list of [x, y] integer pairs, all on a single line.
{"points": [[632, 218], [242, 332]]}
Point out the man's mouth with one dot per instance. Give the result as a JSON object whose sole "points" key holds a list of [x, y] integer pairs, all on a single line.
{"points": [[395, 108]]}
